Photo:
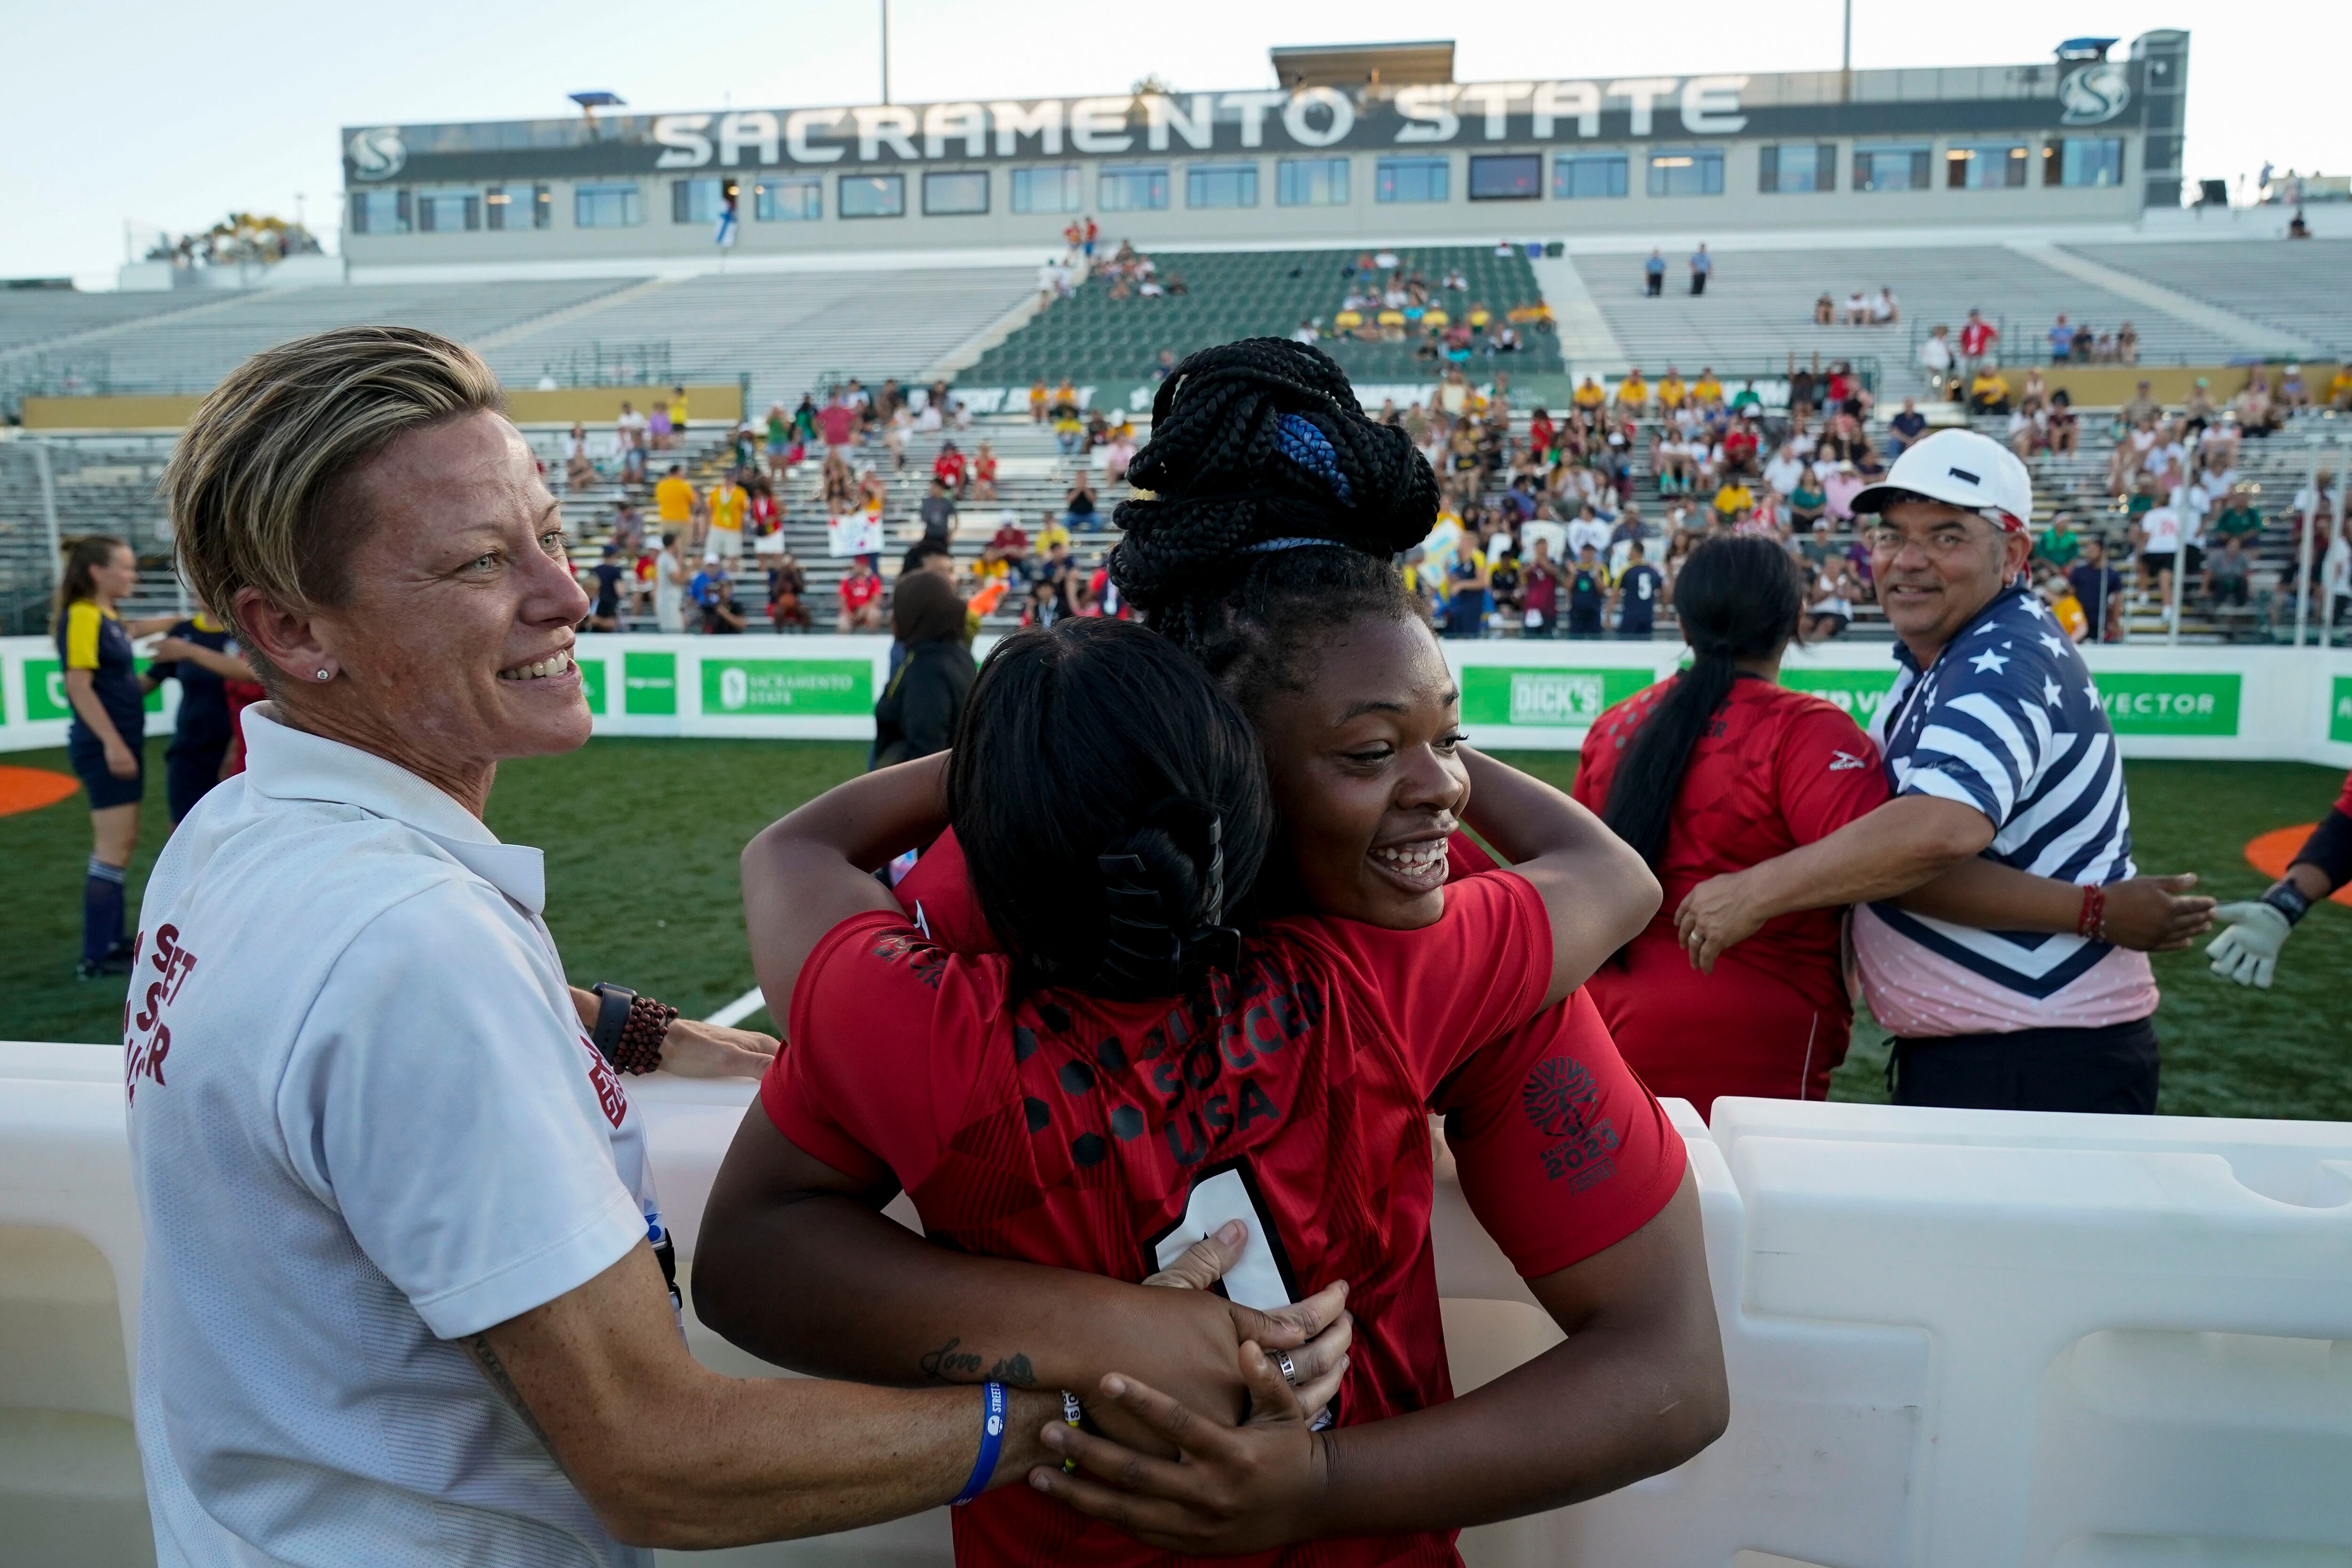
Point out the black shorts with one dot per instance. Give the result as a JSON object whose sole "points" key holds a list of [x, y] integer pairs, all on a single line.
{"points": [[189, 774], [88, 756], [2111, 1070]]}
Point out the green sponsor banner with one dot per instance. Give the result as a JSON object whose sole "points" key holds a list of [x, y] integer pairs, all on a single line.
{"points": [[786, 687], [2170, 704], [591, 682], [1498, 694], [649, 683], [1860, 692], [44, 690], [2339, 709]]}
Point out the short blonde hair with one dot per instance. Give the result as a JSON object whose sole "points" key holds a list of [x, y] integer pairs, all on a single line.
{"points": [[253, 486]]}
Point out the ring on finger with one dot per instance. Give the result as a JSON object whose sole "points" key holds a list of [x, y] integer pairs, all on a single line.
{"points": [[1284, 1364]]}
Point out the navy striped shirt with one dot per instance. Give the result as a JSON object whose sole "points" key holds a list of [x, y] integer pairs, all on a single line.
{"points": [[2008, 720]]}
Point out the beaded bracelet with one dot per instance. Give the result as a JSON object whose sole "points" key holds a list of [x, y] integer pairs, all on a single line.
{"points": [[639, 1049], [2092, 922]]}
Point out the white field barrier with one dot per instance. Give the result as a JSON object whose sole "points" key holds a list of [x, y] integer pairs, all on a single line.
{"points": [[1956, 1339], [2241, 703]]}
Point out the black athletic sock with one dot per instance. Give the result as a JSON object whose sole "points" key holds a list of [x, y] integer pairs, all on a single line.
{"points": [[101, 912]]}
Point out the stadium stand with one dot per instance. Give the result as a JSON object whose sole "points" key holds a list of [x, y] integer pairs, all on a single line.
{"points": [[30, 318], [1092, 336], [1759, 308], [2300, 288], [785, 331]]}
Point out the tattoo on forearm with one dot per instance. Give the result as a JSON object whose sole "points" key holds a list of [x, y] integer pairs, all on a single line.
{"points": [[494, 1370], [950, 1365]]}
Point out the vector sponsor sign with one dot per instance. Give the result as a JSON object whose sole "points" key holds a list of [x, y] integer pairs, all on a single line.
{"points": [[2339, 709], [786, 687], [1559, 697], [2170, 704], [1859, 693], [44, 690]]}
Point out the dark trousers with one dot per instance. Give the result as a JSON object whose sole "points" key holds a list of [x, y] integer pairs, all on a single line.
{"points": [[1699, 282], [1657, 282], [2112, 1069]]}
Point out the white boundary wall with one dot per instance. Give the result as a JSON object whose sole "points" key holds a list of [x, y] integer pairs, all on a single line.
{"points": [[1956, 1339], [2241, 703]]}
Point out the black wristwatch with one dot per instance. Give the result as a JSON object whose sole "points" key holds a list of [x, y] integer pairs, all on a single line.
{"points": [[613, 1003], [2287, 899]]}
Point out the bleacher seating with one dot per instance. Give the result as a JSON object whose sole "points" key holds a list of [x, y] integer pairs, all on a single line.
{"points": [[786, 332], [2301, 287], [30, 316], [1092, 337], [1759, 308]]}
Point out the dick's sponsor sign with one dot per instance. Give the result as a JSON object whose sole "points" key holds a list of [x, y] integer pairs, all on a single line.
{"points": [[1568, 698], [2170, 704], [786, 687]]}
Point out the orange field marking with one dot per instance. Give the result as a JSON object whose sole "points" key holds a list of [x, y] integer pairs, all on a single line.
{"points": [[2270, 854], [29, 789]]}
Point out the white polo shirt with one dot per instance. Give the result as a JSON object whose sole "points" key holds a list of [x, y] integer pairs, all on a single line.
{"points": [[364, 1124]]}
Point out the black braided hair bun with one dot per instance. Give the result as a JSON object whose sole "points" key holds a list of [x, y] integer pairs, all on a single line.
{"points": [[1255, 440]]}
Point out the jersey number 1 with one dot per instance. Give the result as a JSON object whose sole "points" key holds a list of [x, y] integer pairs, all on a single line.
{"points": [[1262, 1278]]}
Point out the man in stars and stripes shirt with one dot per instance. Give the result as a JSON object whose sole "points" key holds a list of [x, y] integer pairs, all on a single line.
{"points": [[1995, 711], [2000, 928]]}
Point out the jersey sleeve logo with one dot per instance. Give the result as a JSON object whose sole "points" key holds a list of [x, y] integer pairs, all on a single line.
{"points": [[926, 963], [1562, 1102], [1846, 761], [610, 1097]]}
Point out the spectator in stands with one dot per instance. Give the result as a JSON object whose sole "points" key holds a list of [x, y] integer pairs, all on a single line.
{"points": [[2158, 538], [1702, 267], [628, 530], [1732, 500], [630, 441], [2229, 575], [579, 469], [778, 433], [763, 519], [660, 433], [675, 501], [983, 473], [836, 424], [1118, 452], [1653, 274], [2339, 388], [916, 714], [2026, 434], [670, 581], [2099, 589], [1936, 359], [1883, 311], [1079, 513], [2062, 427], [1988, 389], [604, 614], [1905, 428], [725, 506], [1633, 395], [2126, 345], [713, 593], [1069, 430], [1979, 338], [2061, 339], [1466, 590], [788, 594], [2237, 516], [2059, 544], [861, 598], [1857, 310], [952, 469], [939, 513], [1639, 588]]}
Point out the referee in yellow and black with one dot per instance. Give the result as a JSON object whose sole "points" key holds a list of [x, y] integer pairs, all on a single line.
{"points": [[105, 742]]}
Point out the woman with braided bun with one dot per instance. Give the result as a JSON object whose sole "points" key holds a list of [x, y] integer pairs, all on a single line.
{"points": [[1264, 550]]}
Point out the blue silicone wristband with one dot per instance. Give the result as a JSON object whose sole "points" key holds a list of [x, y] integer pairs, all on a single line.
{"points": [[991, 1441]]}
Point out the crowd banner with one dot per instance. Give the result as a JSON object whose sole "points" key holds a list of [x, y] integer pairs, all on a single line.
{"points": [[2240, 703], [1954, 1338]]}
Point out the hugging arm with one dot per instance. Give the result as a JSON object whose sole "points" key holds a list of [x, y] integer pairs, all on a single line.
{"points": [[1597, 891]]}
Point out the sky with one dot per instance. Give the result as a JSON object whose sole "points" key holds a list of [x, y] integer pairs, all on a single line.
{"points": [[170, 115]]}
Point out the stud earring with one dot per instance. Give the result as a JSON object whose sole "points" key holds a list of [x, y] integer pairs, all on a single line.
{"points": [[326, 675]]}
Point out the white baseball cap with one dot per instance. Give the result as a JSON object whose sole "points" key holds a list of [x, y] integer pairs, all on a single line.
{"points": [[1963, 468]]}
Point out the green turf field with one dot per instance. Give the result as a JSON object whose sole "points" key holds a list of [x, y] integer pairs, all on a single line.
{"points": [[642, 838]]}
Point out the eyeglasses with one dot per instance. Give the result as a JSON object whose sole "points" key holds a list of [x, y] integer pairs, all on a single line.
{"points": [[1942, 542]]}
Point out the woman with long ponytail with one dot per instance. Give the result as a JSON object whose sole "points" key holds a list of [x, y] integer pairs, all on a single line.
{"points": [[1715, 771], [104, 742]]}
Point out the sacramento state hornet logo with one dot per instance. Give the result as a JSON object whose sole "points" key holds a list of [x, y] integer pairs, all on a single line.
{"points": [[378, 154], [2092, 94]]}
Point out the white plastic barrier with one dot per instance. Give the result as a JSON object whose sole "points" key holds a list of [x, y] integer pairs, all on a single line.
{"points": [[1956, 1339], [2239, 702]]}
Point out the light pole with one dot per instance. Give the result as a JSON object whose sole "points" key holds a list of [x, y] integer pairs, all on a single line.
{"points": [[886, 49], [1845, 57]]}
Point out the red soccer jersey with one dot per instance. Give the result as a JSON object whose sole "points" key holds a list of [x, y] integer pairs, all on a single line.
{"points": [[1774, 770], [1089, 1134], [856, 592]]}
